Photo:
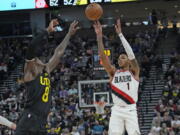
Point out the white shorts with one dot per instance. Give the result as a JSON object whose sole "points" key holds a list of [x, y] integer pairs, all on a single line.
{"points": [[124, 118]]}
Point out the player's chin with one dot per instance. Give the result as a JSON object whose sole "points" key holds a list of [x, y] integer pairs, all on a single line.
{"points": [[120, 65]]}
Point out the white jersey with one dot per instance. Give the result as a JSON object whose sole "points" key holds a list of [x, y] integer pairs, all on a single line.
{"points": [[124, 88]]}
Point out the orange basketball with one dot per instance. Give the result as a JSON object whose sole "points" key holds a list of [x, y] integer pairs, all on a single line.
{"points": [[93, 11]]}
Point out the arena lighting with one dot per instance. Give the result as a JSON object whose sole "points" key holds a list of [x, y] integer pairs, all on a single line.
{"points": [[128, 24], [136, 23], [104, 25], [145, 22], [175, 6]]}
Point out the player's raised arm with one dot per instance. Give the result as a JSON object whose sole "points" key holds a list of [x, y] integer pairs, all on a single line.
{"points": [[33, 50], [128, 49], [105, 60], [59, 51], [38, 41], [6, 122]]}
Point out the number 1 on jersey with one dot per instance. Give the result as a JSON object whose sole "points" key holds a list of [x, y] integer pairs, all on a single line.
{"points": [[128, 86]]}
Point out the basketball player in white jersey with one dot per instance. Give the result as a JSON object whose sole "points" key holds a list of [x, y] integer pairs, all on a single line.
{"points": [[124, 83], [6, 122]]}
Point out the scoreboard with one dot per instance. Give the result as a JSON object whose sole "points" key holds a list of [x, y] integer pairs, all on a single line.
{"points": [[10, 5], [59, 3]]}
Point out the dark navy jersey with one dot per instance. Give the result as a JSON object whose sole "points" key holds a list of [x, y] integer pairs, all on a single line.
{"points": [[39, 95]]}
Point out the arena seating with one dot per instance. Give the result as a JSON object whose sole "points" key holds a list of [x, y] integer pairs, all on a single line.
{"points": [[167, 111]]}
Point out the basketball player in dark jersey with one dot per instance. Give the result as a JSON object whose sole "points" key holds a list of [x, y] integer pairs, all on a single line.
{"points": [[37, 81]]}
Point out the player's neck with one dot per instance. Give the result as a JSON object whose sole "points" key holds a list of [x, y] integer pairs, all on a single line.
{"points": [[125, 68]]}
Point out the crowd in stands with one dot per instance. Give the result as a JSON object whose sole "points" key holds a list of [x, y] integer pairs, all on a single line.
{"points": [[11, 52], [66, 117], [167, 112]]}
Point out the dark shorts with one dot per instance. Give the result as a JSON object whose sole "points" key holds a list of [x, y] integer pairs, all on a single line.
{"points": [[30, 124]]}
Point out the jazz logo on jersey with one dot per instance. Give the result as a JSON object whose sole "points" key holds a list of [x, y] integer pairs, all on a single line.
{"points": [[45, 82], [119, 79]]}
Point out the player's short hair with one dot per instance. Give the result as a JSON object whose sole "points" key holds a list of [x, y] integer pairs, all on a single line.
{"points": [[123, 53]]}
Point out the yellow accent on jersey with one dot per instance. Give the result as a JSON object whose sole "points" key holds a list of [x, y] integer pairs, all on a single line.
{"points": [[45, 96], [57, 130], [45, 81]]}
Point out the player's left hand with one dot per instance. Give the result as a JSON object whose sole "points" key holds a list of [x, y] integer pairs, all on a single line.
{"points": [[73, 28], [118, 27], [52, 24], [98, 28]]}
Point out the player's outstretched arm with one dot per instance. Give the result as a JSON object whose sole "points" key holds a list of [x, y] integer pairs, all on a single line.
{"points": [[38, 40], [6, 122], [105, 60], [128, 49], [59, 51], [33, 48]]}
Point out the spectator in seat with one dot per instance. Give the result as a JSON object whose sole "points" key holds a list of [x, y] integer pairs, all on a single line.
{"points": [[98, 128], [72, 91], [176, 94], [81, 127], [167, 119], [63, 93], [177, 112], [175, 123], [75, 131], [166, 96], [161, 108], [164, 129], [171, 106], [155, 130], [171, 132], [157, 120]]}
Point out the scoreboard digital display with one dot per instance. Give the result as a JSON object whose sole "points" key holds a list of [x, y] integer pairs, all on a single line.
{"points": [[59, 3], [10, 5], [75, 2]]}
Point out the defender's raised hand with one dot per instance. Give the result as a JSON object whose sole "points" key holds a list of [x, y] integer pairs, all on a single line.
{"points": [[118, 27], [73, 28], [59, 51], [52, 24]]}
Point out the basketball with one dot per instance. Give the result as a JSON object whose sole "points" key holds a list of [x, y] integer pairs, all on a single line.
{"points": [[93, 11]]}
